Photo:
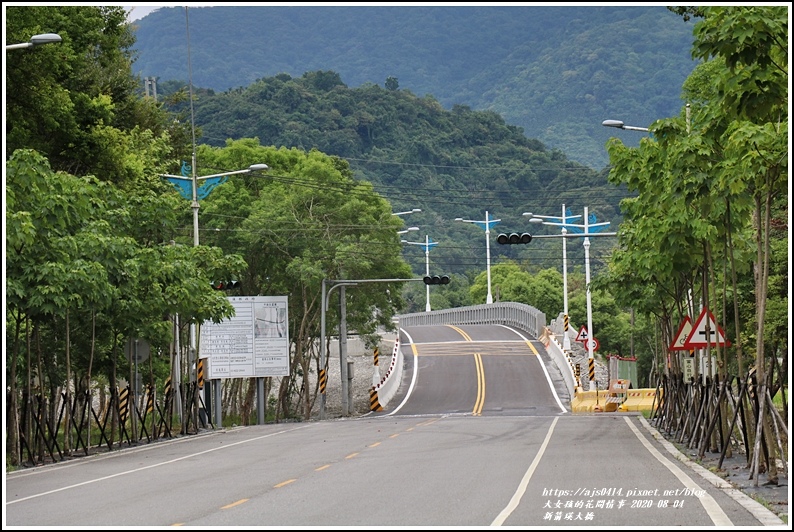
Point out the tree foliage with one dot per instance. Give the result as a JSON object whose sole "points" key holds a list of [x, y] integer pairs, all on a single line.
{"points": [[556, 72], [449, 164], [707, 228]]}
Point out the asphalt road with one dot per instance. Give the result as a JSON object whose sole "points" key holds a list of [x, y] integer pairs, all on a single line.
{"points": [[480, 438]]}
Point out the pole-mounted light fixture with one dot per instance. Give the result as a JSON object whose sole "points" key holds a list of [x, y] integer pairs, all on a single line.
{"points": [[406, 212], [36, 40], [620, 125]]}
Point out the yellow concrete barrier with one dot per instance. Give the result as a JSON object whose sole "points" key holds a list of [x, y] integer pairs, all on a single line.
{"points": [[585, 402], [642, 399]]}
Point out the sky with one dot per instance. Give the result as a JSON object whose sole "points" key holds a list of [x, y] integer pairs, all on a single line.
{"points": [[139, 11]]}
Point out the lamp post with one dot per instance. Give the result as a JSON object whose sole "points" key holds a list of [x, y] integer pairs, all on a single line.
{"points": [[406, 212], [587, 234], [620, 125], [406, 230], [182, 181], [426, 245], [485, 224], [36, 40], [537, 218], [193, 193]]}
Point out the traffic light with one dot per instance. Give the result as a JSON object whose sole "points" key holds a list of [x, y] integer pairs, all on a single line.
{"points": [[514, 238], [225, 285], [436, 279]]}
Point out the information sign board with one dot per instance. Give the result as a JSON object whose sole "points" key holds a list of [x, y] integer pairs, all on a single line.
{"points": [[252, 343]]}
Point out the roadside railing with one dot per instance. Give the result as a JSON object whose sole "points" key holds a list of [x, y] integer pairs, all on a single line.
{"points": [[517, 315]]}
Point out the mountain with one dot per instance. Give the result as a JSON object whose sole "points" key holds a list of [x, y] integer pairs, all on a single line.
{"points": [[451, 164], [554, 71]]}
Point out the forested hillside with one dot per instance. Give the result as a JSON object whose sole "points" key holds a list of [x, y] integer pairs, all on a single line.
{"points": [[456, 163], [555, 71]]}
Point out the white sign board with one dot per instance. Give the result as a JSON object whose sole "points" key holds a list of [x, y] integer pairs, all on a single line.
{"points": [[252, 343]]}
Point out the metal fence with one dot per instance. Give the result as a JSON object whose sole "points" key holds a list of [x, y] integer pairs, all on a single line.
{"points": [[518, 315]]}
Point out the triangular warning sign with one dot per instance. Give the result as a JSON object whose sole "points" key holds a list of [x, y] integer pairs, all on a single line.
{"points": [[683, 332], [698, 337], [582, 336]]}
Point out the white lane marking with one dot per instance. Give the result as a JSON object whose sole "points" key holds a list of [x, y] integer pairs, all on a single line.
{"points": [[522, 486], [413, 378], [167, 462], [759, 511], [718, 517], [542, 365]]}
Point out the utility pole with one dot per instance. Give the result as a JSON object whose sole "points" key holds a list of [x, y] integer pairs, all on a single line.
{"points": [[341, 283]]}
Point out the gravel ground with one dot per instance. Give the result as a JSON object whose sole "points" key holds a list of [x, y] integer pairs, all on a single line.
{"points": [[363, 371]]}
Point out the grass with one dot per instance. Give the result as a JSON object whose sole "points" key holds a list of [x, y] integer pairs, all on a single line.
{"points": [[777, 400], [768, 506]]}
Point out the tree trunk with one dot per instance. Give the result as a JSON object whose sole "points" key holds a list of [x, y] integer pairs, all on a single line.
{"points": [[14, 450], [67, 445]]}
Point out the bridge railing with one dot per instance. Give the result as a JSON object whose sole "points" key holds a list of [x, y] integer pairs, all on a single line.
{"points": [[517, 315]]}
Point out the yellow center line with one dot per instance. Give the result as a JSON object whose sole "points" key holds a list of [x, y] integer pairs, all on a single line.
{"points": [[478, 404], [326, 466], [232, 505], [480, 400], [532, 347]]}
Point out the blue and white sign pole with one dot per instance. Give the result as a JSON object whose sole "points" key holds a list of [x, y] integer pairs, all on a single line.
{"points": [[565, 219], [189, 189], [485, 224], [590, 229], [426, 245]]}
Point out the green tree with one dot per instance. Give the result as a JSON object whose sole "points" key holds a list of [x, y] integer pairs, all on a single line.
{"points": [[303, 221], [733, 147], [84, 256], [77, 101]]}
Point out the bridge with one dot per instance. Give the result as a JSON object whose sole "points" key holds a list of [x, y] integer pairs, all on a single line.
{"points": [[527, 318]]}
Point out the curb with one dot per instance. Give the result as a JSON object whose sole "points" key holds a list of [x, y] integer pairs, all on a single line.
{"points": [[766, 516]]}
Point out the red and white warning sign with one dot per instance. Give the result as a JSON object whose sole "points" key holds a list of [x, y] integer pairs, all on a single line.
{"points": [[683, 332], [699, 337], [582, 336], [594, 343]]}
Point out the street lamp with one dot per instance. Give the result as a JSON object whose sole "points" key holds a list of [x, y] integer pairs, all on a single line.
{"points": [[213, 180], [485, 224], [188, 187], [537, 218], [620, 125], [426, 245], [44, 38], [587, 234], [406, 230], [406, 212]]}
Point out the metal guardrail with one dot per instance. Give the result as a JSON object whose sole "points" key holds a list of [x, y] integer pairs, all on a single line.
{"points": [[517, 315]]}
